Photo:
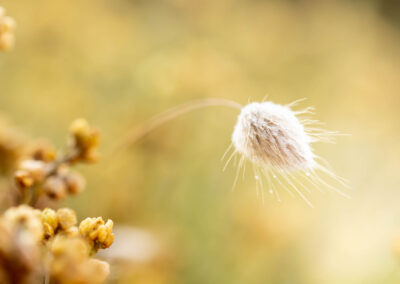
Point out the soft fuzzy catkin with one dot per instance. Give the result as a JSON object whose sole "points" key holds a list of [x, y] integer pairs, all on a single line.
{"points": [[271, 135], [277, 140]]}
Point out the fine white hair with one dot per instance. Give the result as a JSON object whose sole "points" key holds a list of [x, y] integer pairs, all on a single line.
{"points": [[272, 136], [278, 142]]}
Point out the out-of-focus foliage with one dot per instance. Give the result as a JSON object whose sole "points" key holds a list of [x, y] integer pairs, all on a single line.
{"points": [[119, 62]]}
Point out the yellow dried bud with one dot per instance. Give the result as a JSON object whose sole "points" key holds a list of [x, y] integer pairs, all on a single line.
{"points": [[23, 179], [85, 139], [50, 222], [55, 188], [98, 233], [26, 217], [80, 127], [50, 217], [75, 182], [48, 231], [66, 218], [84, 135]]}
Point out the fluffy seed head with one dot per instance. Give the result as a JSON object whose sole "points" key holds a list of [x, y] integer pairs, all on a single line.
{"points": [[270, 135]]}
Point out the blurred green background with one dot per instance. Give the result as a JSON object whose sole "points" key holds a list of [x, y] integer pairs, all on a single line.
{"points": [[118, 63]]}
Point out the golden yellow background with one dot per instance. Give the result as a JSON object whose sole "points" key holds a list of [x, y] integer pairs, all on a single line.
{"points": [[119, 62]]}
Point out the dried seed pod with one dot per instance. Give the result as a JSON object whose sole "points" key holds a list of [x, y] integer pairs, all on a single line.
{"points": [[55, 188]]}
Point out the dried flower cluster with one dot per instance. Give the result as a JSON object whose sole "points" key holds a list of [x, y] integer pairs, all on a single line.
{"points": [[38, 243], [43, 173], [97, 232], [7, 27]]}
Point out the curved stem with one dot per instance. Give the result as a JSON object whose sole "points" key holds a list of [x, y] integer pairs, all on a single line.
{"points": [[170, 114]]}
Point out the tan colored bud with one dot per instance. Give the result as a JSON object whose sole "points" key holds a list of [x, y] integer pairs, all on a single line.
{"points": [[55, 188], [36, 169], [66, 218], [75, 182]]}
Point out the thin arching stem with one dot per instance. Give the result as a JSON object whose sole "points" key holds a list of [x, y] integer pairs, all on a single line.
{"points": [[160, 119]]}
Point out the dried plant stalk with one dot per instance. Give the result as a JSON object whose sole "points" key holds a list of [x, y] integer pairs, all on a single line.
{"points": [[274, 138]]}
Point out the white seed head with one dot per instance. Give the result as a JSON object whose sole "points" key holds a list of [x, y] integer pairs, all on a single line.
{"points": [[270, 135]]}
